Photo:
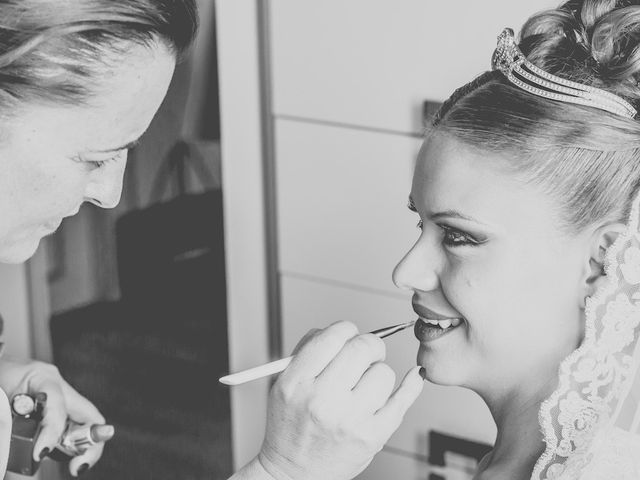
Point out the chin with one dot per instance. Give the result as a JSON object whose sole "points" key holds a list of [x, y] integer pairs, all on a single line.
{"points": [[441, 369]]}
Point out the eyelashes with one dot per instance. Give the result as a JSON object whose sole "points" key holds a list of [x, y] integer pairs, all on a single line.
{"points": [[457, 238], [115, 158], [452, 237], [95, 164], [102, 163]]}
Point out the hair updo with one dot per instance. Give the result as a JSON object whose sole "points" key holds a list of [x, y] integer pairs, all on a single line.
{"points": [[587, 159], [55, 51]]}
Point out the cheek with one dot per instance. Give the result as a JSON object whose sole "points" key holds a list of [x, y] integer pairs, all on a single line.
{"points": [[513, 302], [57, 191]]}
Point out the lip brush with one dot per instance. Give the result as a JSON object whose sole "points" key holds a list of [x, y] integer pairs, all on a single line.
{"points": [[279, 365]]}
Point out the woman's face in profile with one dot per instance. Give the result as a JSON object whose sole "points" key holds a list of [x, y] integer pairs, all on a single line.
{"points": [[491, 259], [54, 158]]}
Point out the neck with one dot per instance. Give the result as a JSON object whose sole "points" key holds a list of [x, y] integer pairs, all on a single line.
{"points": [[519, 442]]}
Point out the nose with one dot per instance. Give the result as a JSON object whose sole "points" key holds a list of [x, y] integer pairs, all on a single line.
{"points": [[104, 188], [418, 269]]}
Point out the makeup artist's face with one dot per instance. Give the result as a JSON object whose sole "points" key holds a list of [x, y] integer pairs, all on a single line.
{"points": [[491, 260], [54, 158]]}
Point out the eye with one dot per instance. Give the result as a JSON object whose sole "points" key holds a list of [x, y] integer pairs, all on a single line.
{"points": [[457, 238], [102, 163], [420, 224]]}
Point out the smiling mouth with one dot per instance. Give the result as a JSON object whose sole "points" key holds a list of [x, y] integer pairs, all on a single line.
{"points": [[427, 329], [443, 324]]}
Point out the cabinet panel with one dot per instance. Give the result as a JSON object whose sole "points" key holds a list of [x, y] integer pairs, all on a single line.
{"points": [[373, 62], [342, 196], [451, 410]]}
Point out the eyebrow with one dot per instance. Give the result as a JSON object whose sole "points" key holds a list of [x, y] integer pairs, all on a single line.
{"points": [[128, 146], [446, 213]]}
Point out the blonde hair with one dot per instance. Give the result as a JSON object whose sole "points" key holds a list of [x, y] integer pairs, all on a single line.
{"points": [[587, 159]]}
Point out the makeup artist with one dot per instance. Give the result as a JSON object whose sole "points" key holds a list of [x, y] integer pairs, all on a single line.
{"points": [[80, 80]]}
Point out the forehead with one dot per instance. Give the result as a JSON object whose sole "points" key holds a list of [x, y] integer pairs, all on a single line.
{"points": [[126, 99], [447, 169], [450, 175]]}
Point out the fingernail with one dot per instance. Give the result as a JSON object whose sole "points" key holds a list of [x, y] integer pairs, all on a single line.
{"points": [[423, 373], [83, 468], [45, 451], [102, 433]]}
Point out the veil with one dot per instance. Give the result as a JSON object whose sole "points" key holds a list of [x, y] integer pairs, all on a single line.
{"points": [[596, 406]]}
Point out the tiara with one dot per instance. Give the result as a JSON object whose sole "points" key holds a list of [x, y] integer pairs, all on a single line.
{"points": [[510, 60]]}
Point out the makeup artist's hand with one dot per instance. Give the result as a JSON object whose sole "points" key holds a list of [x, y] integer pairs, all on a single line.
{"points": [[334, 407], [29, 376]]}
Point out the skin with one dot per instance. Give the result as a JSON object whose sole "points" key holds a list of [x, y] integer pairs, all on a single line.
{"points": [[51, 154], [515, 279], [54, 158]]}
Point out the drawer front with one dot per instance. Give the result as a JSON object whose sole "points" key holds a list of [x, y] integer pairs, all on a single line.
{"points": [[373, 62]]}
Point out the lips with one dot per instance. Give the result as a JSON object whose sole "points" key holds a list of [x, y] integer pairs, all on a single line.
{"points": [[424, 312], [432, 325]]}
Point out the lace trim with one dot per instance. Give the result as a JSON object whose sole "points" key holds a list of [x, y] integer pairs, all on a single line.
{"points": [[595, 378]]}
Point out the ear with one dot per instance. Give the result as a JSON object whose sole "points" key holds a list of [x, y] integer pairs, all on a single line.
{"points": [[600, 241]]}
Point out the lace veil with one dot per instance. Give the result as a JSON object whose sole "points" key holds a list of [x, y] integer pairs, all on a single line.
{"points": [[598, 395]]}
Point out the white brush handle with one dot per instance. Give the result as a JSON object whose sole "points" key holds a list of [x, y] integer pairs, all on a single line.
{"points": [[279, 365], [256, 372]]}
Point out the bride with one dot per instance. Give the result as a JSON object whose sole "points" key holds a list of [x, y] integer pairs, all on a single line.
{"points": [[526, 273]]}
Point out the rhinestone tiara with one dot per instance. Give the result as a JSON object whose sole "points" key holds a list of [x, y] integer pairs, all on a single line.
{"points": [[510, 60]]}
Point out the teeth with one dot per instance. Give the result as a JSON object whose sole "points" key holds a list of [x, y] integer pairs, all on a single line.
{"points": [[444, 324]]}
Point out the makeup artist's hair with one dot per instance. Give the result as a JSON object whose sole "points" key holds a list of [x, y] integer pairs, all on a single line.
{"points": [[587, 159], [55, 51]]}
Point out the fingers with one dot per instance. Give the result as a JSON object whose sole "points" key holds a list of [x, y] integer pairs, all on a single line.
{"points": [[53, 422], [391, 414], [87, 460], [63, 402], [303, 341], [319, 350], [81, 410], [375, 387], [357, 355]]}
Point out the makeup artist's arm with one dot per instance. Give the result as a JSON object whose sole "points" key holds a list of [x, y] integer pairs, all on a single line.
{"points": [[30, 376], [332, 409]]}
